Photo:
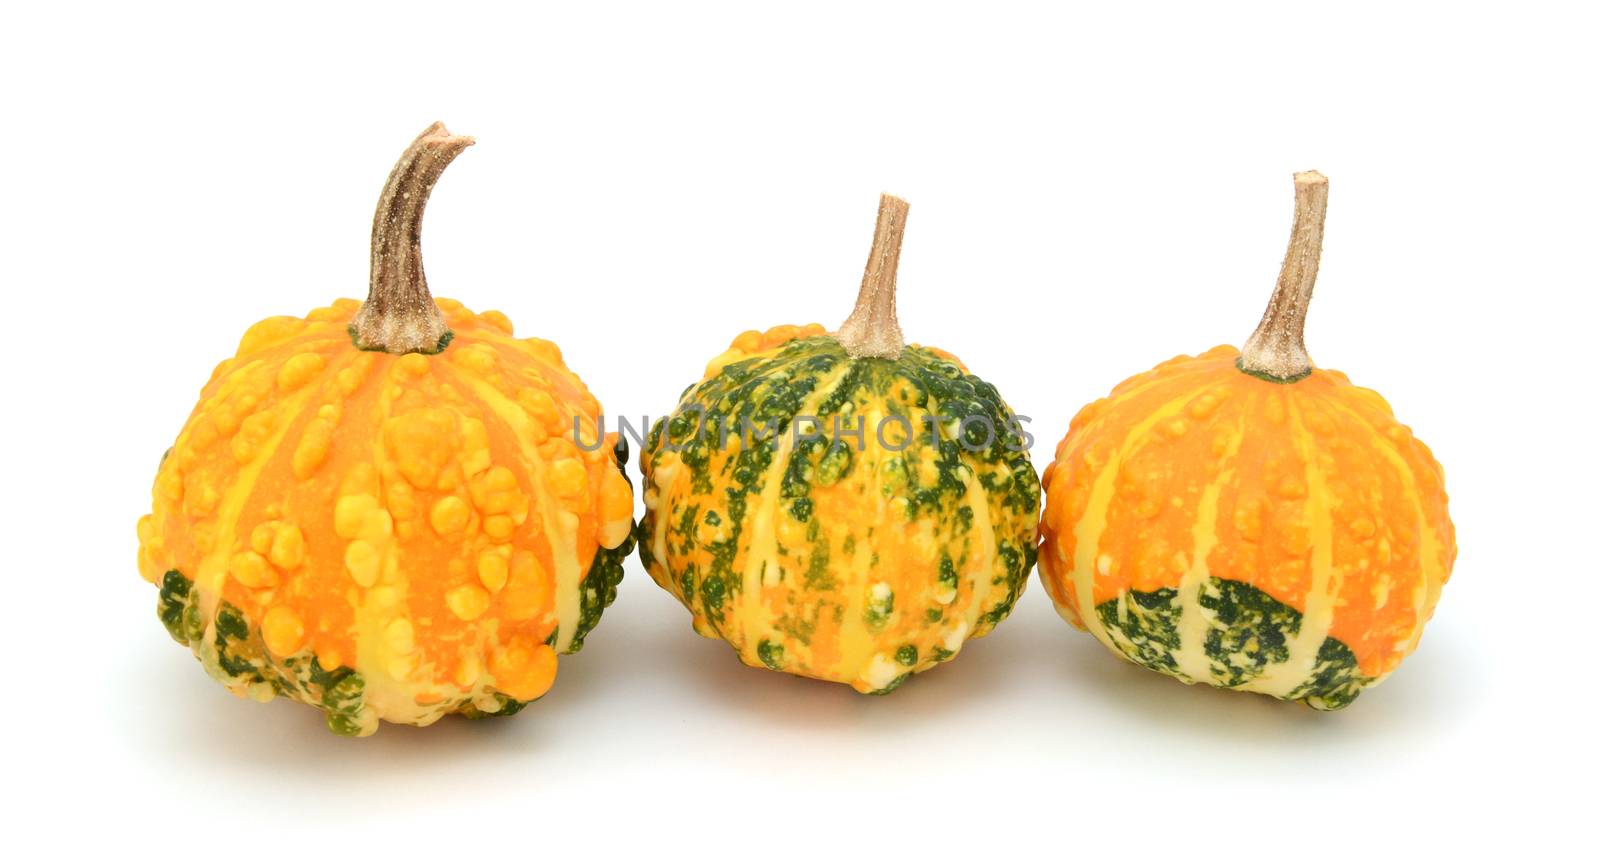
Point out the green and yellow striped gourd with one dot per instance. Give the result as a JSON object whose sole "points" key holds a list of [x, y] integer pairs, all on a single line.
{"points": [[842, 506]]}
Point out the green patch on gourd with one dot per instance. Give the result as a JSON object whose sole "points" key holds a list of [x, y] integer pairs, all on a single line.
{"points": [[599, 588], [892, 685], [1247, 631], [1250, 631], [233, 652], [797, 628], [880, 606], [1144, 627], [947, 573], [1335, 681], [1017, 564], [171, 603], [819, 572], [771, 654], [835, 464]]}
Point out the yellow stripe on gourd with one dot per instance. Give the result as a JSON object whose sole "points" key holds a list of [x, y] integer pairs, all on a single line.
{"points": [[213, 570], [1194, 619], [379, 603], [1431, 563], [751, 614], [855, 638], [1092, 523], [559, 525], [977, 499], [1316, 617]]}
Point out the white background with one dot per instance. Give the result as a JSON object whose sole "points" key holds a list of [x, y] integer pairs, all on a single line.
{"points": [[1092, 192]]}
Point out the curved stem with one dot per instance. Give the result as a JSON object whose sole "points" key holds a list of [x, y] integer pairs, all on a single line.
{"points": [[399, 315], [1276, 351], [872, 330]]}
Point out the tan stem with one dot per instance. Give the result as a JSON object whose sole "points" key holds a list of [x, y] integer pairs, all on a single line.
{"points": [[872, 330], [399, 315], [1277, 349]]}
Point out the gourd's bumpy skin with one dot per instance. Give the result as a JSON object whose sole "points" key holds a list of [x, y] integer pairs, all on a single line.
{"points": [[1286, 538], [824, 559], [388, 537]]}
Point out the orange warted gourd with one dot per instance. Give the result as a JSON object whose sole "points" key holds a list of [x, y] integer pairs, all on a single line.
{"points": [[1249, 521], [391, 510], [845, 506]]}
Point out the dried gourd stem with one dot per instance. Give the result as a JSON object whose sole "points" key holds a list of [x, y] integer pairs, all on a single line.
{"points": [[1276, 351], [399, 315], [872, 330]]}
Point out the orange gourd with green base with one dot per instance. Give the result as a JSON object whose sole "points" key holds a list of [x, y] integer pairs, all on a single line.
{"points": [[391, 510], [1247, 520]]}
